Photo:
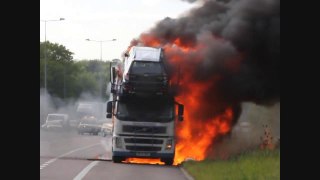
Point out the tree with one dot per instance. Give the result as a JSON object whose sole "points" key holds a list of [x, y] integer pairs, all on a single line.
{"points": [[55, 52], [67, 78]]}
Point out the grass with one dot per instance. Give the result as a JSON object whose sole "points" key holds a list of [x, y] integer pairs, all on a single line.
{"points": [[254, 165]]}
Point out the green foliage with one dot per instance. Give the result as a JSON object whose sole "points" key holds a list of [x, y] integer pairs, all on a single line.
{"points": [[55, 52], [251, 165], [67, 78]]}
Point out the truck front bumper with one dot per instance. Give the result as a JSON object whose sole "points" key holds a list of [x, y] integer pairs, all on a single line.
{"points": [[130, 146], [136, 154]]}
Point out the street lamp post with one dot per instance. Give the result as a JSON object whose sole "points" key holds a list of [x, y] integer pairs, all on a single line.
{"points": [[99, 41], [45, 50]]}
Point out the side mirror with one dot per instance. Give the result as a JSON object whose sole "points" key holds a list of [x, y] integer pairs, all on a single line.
{"points": [[180, 112], [109, 109]]}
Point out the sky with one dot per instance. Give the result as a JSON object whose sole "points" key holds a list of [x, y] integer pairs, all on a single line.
{"points": [[103, 20]]}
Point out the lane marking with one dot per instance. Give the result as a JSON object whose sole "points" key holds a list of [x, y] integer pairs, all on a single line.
{"points": [[85, 170], [186, 174], [65, 154]]}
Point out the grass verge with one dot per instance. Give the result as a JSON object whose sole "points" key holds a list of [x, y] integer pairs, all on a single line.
{"points": [[257, 164]]}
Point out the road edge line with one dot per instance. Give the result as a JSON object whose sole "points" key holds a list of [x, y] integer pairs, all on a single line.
{"points": [[186, 174], [70, 152], [85, 170]]}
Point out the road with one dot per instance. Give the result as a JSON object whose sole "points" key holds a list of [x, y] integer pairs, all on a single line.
{"points": [[67, 155]]}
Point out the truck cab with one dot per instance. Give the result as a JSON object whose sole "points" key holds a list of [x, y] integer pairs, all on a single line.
{"points": [[144, 128]]}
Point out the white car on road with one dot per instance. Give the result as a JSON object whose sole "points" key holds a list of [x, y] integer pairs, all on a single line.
{"points": [[56, 121]]}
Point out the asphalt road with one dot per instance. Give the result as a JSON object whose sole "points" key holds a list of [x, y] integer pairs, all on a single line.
{"points": [[68, 155]]}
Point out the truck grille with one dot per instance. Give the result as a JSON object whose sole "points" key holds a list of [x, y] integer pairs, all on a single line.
{"points": [[143, 148], [144, 129], [143, 141]]}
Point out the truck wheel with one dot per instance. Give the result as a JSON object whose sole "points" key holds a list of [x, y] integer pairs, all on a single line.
{"points": [[167, 161], [117, 159]]}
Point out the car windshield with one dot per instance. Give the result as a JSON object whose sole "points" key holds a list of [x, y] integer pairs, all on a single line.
{"points": [[143, 67], [55, 117]]}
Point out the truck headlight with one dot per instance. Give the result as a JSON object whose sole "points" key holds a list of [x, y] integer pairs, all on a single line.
{"points": [[118, 142], [169, 144]]}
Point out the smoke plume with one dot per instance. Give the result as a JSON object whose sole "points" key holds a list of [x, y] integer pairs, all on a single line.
{"points": [[237, 42]]}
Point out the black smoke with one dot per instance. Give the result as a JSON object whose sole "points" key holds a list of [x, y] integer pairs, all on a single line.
{"points": [[241, 45]]}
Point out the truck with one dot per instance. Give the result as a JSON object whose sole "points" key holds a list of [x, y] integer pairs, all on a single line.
{"points": [[90, 117], [144, 127]]}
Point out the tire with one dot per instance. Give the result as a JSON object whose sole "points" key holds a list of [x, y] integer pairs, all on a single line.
{"points": [[167, 161], [117, 159]]}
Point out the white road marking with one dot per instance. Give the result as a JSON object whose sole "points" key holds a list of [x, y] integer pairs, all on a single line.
{"points": [[85, 170], [186, 174], [65, 154]]}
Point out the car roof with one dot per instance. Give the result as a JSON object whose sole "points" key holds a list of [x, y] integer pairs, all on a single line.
{"points": [[138, 53], [146, 53]]}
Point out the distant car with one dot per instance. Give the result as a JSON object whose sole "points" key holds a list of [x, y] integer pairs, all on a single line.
{"points": [[89, 124], [56, 121], [106, 128]]}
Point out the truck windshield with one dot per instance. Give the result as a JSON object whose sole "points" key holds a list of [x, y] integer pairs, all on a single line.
{"points": [[145, 112], [89, 120]]}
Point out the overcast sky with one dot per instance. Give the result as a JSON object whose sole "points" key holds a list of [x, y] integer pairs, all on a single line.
{"points": [[103, 20]]}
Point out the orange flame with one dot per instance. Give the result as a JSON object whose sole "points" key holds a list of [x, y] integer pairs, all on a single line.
{"points": [[194, 135], [144, 161]]}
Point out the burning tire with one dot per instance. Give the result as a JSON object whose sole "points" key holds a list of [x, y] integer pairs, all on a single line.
{"points": [[167, 161]]}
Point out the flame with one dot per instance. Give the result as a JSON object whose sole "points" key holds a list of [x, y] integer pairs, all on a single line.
{"points": [[144, 161], [196, 134]]}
